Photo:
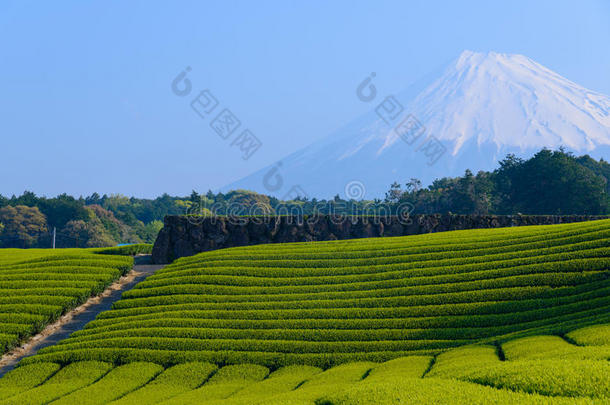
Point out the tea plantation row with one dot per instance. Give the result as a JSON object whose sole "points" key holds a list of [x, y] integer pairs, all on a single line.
{"points": [[37, 286], [572, 369]]}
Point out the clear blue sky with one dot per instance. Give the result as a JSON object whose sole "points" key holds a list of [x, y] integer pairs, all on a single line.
{"points": [[86, 103]]}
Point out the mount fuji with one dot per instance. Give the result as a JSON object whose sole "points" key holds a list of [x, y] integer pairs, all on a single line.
{"points": [[468, 116]]}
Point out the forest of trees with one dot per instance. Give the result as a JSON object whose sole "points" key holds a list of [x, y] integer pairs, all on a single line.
{"points": [[29, 220], [551, 182]]}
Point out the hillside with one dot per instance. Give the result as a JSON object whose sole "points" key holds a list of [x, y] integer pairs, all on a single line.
{"points": [[326, 303]]}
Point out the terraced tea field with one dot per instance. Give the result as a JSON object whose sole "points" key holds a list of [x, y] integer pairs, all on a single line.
{"points": [[512, 315], [531, 370], [37, 286], [325, 303]]}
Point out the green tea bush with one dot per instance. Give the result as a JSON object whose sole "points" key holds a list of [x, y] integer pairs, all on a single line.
{"points": [[127, 250], [332, 380], [405, 367], [596, 335], [453, 363], [65, 381], [24, 378], [172, 382], [429, 391], [280, 381], [113, 385], [553, 377], [551, 347], [227, 381]]}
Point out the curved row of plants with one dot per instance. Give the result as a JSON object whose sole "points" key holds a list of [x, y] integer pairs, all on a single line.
{"points": [[38, 286], [547, 369], [321, 304]]}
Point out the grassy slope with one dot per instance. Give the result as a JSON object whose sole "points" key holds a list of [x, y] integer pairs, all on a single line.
{"points": [[564, 374], [39, 285], [324, 303]]}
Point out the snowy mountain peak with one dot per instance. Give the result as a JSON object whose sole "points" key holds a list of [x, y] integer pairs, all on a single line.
{"points": [[471, 58], [510, 100], [480, 106]]}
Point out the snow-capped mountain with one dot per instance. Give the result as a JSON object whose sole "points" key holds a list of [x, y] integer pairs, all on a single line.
{"points": [[481, 107]]}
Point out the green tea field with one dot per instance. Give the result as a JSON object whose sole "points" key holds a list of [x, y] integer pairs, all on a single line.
{"points": [[37, 286], [530, 370], [510, 315]]}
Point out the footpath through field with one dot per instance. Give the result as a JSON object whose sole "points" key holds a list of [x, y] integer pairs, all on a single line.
{"points": [[78, 317]]}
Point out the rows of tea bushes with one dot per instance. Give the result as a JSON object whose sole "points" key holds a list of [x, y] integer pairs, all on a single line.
{"points": [[529, 370], [37, 286], [325, 303], [126, 250]]}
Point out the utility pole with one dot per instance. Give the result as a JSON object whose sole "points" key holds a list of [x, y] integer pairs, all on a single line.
{"points": [[54, 233]]}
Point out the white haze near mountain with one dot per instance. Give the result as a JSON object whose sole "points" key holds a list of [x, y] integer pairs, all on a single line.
{"points": [[480, 107]]}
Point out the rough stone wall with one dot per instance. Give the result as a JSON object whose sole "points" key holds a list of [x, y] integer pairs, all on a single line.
{"points": [[183, 236]]}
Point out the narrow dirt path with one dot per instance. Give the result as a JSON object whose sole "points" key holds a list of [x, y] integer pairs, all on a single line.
{"points": [[77, 318]]}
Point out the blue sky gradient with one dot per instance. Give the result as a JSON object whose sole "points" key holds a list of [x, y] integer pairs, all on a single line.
{"points": [[86, 86]]}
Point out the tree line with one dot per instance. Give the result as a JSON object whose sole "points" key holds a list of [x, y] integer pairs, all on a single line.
{"points": [[549, 183]]}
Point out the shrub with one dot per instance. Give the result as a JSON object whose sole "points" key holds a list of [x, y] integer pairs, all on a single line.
{"points": [[597, 335], [24, 378], [224, 383], [172, 382], [127, 250], [113, 385], [554, 377], [65, 381], [551, 347]]}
